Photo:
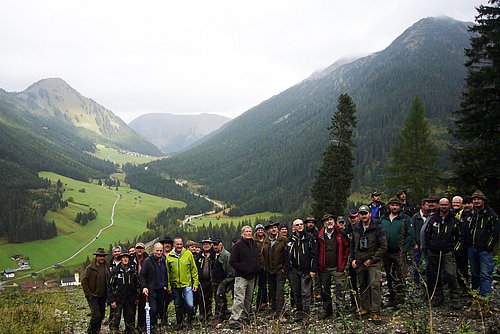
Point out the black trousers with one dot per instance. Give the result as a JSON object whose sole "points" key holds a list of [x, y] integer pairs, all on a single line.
{"points": [[276, 284], [128, 310], [98, 311], [205, 299]]}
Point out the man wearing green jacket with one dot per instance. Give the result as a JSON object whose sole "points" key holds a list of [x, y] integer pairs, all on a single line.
{"points": [[398, 228], [183, 281], [222, 279]]}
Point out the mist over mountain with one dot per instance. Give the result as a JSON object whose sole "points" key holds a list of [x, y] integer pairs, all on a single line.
{"points": [[55, 98], [173, 133], [266, 158]]}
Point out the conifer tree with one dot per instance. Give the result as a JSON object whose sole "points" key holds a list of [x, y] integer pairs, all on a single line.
{"points": [[413, 159], [477, 156], [332, 185]]}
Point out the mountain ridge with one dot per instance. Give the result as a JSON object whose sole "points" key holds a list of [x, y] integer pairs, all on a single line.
{"points": [[267, 157], [173, 133], [53, 97]]}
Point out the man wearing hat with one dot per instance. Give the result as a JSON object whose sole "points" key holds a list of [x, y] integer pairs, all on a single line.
{"points": [[275, 266], [204, 262], [482, 235], [138, 260], [168, 244], [222, 279], [377, 207], [95, 284], [368, 246], [398, 228], [259, 239], [123, 293], [406, 206], [332, 259]]}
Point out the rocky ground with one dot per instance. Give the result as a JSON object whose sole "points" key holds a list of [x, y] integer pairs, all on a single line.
{"points": [[66, 311]]}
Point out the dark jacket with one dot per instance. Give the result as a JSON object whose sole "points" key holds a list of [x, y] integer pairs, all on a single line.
{"points": [[408, 208], [302, 252], [274, 256], [221, 269], [91, 282], [124, 285], [399, 232], [376, 243], [149, 275], [245, 259], [200, 263], [259, 244], [418, 223], [342, 249], [136, 261], [483, 230], [443, 234]]}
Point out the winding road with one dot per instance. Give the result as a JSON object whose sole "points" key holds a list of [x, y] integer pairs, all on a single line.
{"points": [[81, 249]]}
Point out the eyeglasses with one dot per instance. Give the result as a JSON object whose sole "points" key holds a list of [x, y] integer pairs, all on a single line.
{"points": [[341, 222], [363, 213], [299, 224]]}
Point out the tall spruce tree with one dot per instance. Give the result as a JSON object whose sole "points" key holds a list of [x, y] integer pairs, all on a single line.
{"points": [[413, 159], [477, 157], [332, 185]]}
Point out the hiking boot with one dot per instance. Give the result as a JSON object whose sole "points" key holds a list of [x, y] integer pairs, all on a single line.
{"points": [[234, 325], [437, 301], [324, 315], [363, 313], [376, 319]]}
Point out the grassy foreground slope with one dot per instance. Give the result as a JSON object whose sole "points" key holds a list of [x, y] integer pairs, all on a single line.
{"points": [[132, 212]]}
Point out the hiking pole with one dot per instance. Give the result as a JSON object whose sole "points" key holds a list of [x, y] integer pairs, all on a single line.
{"points": [[148, 318]]}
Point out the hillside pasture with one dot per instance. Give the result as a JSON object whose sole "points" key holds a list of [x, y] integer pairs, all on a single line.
{"points": [[218, 219], [120, 158], [132, 212]]}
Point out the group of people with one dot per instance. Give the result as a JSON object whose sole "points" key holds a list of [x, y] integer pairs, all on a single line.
{"points": [[346, 252]]}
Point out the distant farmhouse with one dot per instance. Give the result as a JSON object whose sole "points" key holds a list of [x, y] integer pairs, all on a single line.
{"points": [[9, 273]]}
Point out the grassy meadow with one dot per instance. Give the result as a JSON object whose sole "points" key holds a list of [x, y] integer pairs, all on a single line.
{"points": [[132, 212], [218, 219], [115, 156]]}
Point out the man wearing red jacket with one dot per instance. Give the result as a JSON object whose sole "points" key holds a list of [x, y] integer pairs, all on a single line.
{"points": [[333, 253]]}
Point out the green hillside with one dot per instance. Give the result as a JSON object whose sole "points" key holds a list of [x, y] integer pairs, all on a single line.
{"points": [[132, 212], [120, 157], [266, 159], [55, 99]]}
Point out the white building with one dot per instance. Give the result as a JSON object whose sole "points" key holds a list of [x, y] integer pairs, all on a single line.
{"points": [[71, 281]]}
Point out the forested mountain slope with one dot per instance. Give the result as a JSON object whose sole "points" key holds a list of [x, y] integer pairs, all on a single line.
{"points": [[266, 159]]}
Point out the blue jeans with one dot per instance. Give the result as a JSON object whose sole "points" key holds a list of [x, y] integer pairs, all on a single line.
{"points": [[417, 260], [183, 301], [481, 267]]}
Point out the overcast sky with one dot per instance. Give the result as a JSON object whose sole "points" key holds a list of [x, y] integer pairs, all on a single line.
{"points": [[191, 57]]}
